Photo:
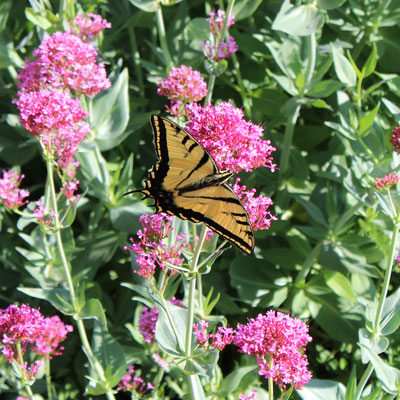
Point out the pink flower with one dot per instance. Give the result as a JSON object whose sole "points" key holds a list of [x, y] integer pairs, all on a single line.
{"points": [[69, 188], [398, 258], [256, 207], [32, 369], [21, 324], [235, 144], [41, 213], [395, 139], [57, 119], [52, 334], [148, 319], [64, 61], [200, 331], [151, 251], [278, 341], [253, 396], [216, 48], [387, 181], [10, 193], [90, 26], [134, 384], [182, 86]]}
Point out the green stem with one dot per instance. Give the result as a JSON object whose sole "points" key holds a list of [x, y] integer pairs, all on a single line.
{"points": [[20, 362], [386, 281], [67, 269], [163, 38], [311, 58], [48, 379], [287, 143]]}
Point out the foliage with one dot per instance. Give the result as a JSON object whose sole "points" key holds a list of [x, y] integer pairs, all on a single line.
{"points": [[323, 79]]}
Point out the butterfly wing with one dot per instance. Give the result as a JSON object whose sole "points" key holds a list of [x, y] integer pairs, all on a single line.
{"points": [[186, 182]]}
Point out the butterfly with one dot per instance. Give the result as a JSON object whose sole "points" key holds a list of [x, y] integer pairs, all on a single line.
{"points": [[187, 182]]}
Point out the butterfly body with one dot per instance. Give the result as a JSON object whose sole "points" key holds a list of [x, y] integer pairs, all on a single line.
{"points": [[186, 182]]}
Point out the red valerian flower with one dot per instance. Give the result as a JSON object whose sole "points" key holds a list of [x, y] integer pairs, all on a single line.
{"points": [[64, 61], [90, 26], [235, 144], [395, 139], [10, 193], [134, 384], [278, 341], [216, 48], [151, 251], [387, 181]]}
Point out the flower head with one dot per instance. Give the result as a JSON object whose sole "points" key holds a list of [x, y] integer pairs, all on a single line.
{"points": [[148, 319], [182, 86], [235, 144], [278, 341], [256, 207], [253, 396], [64, 61], [57, 119], [42, 214], [21, 324], [132, 383], [89, 27], [387, 181], [10, 193], [151, 251], [216, 48], [53, 333], [395, 139]]}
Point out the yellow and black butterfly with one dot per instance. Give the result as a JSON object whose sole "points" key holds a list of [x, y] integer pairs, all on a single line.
{"points": [[186, 182]]}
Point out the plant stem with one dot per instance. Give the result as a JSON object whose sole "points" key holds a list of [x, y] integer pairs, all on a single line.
{"points": [[67, 270], [163, 38], [48, 379]]}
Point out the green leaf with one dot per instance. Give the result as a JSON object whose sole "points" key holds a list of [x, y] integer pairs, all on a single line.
{"points": [[111, 356], [303, 20], [330, 4], [370, 65], [340, 285], [387, 375], [324, 88], [146, 5], [109, 113], [395, 110], [196, 32], [42, 18], [343, 68], [286, 84], [318, 389], [243, 9], [366, 122], [233, 380], [93, 309], [59, 298]]}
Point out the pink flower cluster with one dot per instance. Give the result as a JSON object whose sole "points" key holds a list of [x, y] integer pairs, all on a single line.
{"points": [[253, 396], [148, 319], [64, 61], [235, 144], [10, 193], [256, 207], [387, 181], [64, 66], [182, 86], [89, 27], [217, 49], [42, 214], [134, 384], [277, 340], [151, 251], [395, 139], [23, 325]]}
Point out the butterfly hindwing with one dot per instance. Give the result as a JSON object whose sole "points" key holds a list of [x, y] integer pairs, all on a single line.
{"points": [[186, 182]]}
